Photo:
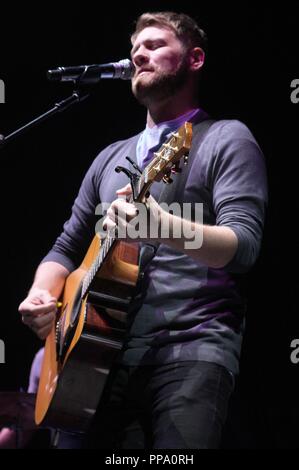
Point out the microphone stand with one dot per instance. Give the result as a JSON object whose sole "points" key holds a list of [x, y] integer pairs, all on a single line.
{"points": [[76, 97]]}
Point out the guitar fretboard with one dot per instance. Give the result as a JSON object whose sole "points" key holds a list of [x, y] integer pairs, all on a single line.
{"points": [[106, 245]]}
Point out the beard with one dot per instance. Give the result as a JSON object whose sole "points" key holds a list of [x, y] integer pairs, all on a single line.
{"points": [[162, 86]]}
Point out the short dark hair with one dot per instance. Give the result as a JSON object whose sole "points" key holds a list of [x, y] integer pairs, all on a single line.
{"points": [[184, 27]]}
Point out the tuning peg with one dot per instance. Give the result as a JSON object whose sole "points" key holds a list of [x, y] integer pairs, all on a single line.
{"points": [[167, 179], [175, 134], [186, 157], [176, 168], [168, 146]]}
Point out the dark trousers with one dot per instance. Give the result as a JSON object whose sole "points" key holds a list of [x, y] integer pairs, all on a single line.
{"points": [[181, 405]]}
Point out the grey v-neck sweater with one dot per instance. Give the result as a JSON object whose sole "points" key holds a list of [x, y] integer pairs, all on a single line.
{"points": [[184, 310]]}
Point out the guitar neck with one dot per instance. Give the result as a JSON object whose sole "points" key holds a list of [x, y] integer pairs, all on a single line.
{"points": [[107, 244]]}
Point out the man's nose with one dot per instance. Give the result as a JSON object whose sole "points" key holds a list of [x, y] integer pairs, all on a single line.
{"points": [[140, 57]]}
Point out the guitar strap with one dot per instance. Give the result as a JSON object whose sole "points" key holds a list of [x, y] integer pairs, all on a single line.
{"points": [[174, 192]]}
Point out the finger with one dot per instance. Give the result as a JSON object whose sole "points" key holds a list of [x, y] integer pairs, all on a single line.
{"points": [[46, 298], [44, 332], [41, 296], [27, 319], [111, 213], [38, 322], [34, 310], [108, 224], [121, 208], [126, 190], [44, 320]]}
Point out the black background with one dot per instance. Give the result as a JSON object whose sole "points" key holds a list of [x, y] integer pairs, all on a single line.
{"points": [[252, 60]]}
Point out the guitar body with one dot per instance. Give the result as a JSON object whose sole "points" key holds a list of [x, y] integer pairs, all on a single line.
{"points": [[79, 354]]}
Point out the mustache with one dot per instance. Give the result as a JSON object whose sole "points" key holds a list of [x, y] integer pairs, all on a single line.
{"points": [[143, 69]]}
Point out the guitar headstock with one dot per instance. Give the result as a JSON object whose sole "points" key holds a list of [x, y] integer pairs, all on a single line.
{"points": [[167, 159]]}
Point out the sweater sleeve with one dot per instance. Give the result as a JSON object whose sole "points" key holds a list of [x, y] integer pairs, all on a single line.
{"points": [[240, 191]]}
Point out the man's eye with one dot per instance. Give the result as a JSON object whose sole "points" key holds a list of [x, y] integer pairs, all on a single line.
{"points": [[156, 45]]}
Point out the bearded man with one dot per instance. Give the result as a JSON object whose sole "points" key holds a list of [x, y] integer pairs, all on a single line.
{"points": [[171, 382]]}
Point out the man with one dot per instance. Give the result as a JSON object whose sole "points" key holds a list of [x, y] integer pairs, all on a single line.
{"points": [[171, 384]]}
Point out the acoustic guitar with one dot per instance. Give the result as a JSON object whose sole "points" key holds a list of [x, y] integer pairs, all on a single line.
{"points": [[91, 322]]}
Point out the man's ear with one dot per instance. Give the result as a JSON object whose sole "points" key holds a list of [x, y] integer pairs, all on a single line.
{"points": [[196, 58]]}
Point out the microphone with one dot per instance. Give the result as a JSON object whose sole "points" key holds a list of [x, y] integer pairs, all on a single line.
{"points": [[123, 69]]}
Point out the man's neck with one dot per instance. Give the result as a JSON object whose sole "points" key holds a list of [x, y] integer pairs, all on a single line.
{"points": [[169, 109]]}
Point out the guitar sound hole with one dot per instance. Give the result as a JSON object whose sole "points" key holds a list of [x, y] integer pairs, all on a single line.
{"points": [[76, 308], [66, 338]]}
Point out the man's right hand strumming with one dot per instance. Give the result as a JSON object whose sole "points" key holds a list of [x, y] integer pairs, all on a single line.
{"points": [[38, 311], [39, 308]]}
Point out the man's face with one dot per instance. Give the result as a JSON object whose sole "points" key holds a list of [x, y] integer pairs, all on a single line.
{"points": [[161, 64]]}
